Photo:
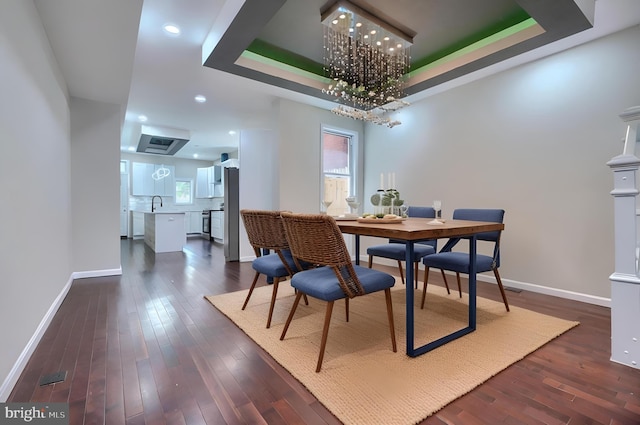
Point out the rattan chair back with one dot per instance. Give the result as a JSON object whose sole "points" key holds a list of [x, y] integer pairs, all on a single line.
{"points": [[316, 239], [265, 231]]}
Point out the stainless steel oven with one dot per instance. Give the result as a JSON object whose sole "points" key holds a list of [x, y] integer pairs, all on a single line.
{"points": [[206, 224]]}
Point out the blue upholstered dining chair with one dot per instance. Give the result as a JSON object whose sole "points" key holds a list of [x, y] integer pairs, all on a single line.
{"points": [[316, 239], [395, 249], [265, 233], [458, 262]]}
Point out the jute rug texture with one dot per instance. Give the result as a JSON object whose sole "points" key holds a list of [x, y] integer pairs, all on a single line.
{"points": [[362, 381]]}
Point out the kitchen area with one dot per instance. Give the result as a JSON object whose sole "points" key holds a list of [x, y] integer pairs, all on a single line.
{"points": [[165, 200]]}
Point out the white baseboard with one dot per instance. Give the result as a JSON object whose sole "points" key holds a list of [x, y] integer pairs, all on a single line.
{"points": [[576, 296], [13, 376], [562, 293], [97, 273]]}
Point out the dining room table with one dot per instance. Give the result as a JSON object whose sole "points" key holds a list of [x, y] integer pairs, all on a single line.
{"points": [[411, 230]]}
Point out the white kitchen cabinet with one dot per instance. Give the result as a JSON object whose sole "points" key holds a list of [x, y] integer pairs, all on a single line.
{"points": [[218, 188], [202, 183], [137, 224], [209, 182], [143, 183], [217, 225], [193, 222], [196, 222]]}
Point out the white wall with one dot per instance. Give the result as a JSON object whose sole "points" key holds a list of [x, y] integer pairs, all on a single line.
{"points": [[95, 187], [534, 141], [35, 241], [299, 153], [258, 178]]}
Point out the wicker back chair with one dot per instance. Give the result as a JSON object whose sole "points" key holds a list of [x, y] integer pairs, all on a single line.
{"points": [[265, 232], [315, 238]]}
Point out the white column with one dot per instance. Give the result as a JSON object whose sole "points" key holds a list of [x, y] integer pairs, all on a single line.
{"points": [[625, 284]]}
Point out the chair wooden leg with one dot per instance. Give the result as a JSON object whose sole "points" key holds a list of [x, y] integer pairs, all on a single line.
{"points": [[401, 272], [446, 284], [325, 333], [346, 308], [424, 286], [304, 296], [291, 313], [370, 261], [504, 295], [392, 328], [253, 285], [274, 293], [459, 288]]}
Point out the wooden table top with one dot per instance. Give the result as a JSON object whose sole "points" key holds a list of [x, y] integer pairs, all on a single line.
{"points": [[418, 228]]}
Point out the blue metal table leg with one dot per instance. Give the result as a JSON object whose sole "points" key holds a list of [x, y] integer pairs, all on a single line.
{"points": [[357, 250], [414, 352], [409, 297], [472, 281]]}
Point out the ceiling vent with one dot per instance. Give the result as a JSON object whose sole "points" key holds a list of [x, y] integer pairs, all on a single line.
{"points": [[162, 140]]}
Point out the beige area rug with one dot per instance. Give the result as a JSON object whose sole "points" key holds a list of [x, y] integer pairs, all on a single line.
{"points": [[362, 381]]}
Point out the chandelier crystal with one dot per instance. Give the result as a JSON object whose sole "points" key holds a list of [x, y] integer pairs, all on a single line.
{"points": [[367, 59]]}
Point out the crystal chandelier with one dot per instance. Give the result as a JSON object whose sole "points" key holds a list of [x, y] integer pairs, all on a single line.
{"points": [[367, 59]]}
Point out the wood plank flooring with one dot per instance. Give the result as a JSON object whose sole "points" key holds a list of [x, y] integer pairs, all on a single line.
{"points": [[146, 348]]}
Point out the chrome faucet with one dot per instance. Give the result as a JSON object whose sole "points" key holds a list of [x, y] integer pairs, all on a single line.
{"points": [[153, 208]]}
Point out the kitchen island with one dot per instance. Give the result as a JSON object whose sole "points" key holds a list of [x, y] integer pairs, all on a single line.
{"points": [[165, 231]]}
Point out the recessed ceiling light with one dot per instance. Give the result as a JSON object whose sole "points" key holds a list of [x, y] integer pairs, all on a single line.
{"points": [[171, 29], [195, 155], [142, 118], [231, 132], [200, 98]]}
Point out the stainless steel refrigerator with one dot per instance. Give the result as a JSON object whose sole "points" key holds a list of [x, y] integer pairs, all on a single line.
{"points": [[231, 214]]}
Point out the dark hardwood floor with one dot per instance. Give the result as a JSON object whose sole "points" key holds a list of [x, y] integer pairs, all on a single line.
{"points": [[146, 348]]}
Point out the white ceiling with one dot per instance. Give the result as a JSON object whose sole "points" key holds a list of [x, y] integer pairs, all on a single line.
{"points": [[116, 51]]}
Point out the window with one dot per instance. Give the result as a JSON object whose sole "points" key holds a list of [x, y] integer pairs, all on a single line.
{"points": [[184, 191], [338, 170]]}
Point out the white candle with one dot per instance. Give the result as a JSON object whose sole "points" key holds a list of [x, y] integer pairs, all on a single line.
{"points": [[381, 181], [389, 181], [393, 180]]}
